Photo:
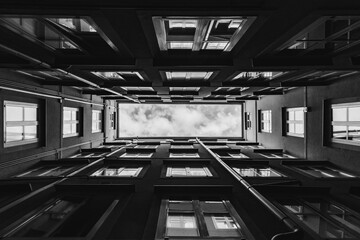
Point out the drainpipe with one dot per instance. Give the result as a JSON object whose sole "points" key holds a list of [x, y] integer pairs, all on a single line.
{"points": [[294, 233], [306, 123]]}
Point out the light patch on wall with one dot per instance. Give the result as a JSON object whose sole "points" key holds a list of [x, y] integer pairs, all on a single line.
{"points": [[151, 120]]}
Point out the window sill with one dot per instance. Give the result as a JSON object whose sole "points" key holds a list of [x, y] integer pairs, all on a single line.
{"points": [[20, 143]]}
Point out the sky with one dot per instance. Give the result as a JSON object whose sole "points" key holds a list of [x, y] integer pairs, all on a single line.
{"points": [[150, 120]]}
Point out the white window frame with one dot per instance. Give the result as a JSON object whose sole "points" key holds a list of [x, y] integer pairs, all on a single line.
{"points": [[265, 121], [227, 219], [120, 169], [22, 123], [137, 155], [184, 155], [72, 121], [188, 172], [314, 168], [276, 155], [95, 122], [150, 146], [295, 121], [233, 155], [346, 123], [252, 169], [181, 146]]}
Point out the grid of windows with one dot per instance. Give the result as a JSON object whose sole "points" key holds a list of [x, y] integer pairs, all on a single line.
{"points": [[21, 123], [117, 172], [265, 121], [333, 221], [71, 124], [257, 172], [295, 122], [96, 121], [188, 172], [200, 219], [324, 172], [346, 123]]}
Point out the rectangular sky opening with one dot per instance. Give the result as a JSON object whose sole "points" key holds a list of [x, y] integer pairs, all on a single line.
{"points": [[180, 120]]}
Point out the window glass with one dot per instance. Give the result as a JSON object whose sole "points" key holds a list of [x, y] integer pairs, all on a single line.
{"points": [[118, 172], [257, 172], [188, 172], [325, 172], [70, 122], [21, 123], [265, 121], [96, 121], [295, 122]]}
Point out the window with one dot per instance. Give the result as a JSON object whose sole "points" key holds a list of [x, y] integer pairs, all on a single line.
{"points": [[217, 146], [346, 123], [184, 155], [178, 146], [117, 172], [257, 172], [147, 146], [137, 155], [90, 155], [324, 172], [47, 171], [188, 75], [295, 122], [230, 154], [247, 120], [276, 155], [21, 123], [188, 172], [199, 219], [265, 121], [328, 219], [71, 122], [96, 121]]}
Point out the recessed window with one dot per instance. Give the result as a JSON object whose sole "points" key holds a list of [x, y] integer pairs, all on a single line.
{"points": [[76, 24], [90, 155], [265, 121], [276, 155], [96, 121], [257, 172], [117, 172], [184, 155], [147, 146], [325, 172], [199, 219], [188, 172], [295, 122], [333, 220], [188, 75], [21, 123], [178, 146], [346, 123], [71, 123], [137, 155], [47, 171]]}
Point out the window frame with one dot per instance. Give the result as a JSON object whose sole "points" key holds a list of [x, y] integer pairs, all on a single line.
{"points": [[71, 122], [96, 122], [259, 167], [288, 122], [199, 216], [139, 172], [188, 168], [22, 123], [263, 122]]}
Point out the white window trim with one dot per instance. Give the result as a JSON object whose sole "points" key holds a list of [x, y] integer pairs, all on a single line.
{"points": [[265, 122], [20, 124], [96, 122], [237, 169], [137, 155], [121, 169], [346, 175], [275, 155], [184, 155], [288, 110], [77, 122], [188, 172], [226, 219], [346, 123]]}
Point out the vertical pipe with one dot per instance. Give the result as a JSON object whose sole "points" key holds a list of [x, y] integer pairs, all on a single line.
{"points": [[305, 123]]}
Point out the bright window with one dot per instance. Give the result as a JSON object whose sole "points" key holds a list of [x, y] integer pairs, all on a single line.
{"points": [[181, 146], [230, 155], [188, 172], [346, 123], [295, 122], [276, 155], [147, 146], [70, 122], [117, 172], [137, 155], [21, 123], [96, 121], [265, 121], [184, 155], [257, 172]]}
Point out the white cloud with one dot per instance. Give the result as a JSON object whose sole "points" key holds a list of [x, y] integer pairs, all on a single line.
{"points": [[146, 120]]}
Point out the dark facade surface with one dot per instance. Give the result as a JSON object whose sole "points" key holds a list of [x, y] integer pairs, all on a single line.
{"points": [[66, 174]]}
